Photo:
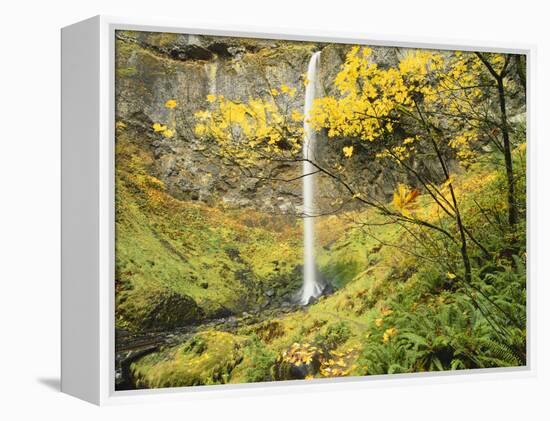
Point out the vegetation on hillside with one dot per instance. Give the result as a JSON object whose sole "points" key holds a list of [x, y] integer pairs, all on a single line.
{"points": [[430, 279]]}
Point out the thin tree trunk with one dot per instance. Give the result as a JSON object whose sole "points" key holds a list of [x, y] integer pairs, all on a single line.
{"points": [[458, 217], [521, 72], [499, 77], [512, 207]]}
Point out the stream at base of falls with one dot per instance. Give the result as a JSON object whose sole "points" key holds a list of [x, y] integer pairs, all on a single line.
{"points": [[131, 347]]}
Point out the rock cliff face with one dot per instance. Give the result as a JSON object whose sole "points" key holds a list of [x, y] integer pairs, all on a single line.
{"points": [[154, 67]]}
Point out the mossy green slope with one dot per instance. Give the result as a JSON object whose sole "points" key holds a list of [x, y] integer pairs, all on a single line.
{"points": [[208, 358], [394, 311], [219, 259]]}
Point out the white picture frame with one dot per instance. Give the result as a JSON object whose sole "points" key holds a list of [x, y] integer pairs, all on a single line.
{"points": [[88, 213]]}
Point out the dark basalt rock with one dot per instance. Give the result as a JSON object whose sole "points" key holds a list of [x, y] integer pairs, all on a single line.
{"points": [[171, 310], [328, 289], [154, 67], [285, 370], [221, 313]]}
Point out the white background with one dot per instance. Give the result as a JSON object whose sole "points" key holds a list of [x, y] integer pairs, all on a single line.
{"points": [[29, 206]]}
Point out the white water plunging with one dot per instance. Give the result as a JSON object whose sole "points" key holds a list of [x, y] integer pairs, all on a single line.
{"points": [[311, 287]]}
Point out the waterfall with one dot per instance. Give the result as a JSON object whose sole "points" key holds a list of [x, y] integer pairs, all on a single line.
{"points": [[211, 69], [311, 287]]}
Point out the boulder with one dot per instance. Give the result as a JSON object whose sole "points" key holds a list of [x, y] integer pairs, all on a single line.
{"points": [[168, 310]]}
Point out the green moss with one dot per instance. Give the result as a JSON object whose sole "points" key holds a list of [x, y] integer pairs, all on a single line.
{"points": [[162, 39], [126, 72], [286, 51], [214, 257], [333, 335], [257, 365], [208, 358]]}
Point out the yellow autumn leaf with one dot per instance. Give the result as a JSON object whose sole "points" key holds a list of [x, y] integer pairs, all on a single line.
{"points": [[388, 334], [200, 130], [288, 90], [157, 127], [348, 151], [210, 98], [274, 92], [168, 133], [297, 116], [171, 103], [403, 198], [451, 275]]}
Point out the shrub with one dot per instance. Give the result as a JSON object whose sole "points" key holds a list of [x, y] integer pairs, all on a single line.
{"points": [[259, 361], [333, 335]]}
